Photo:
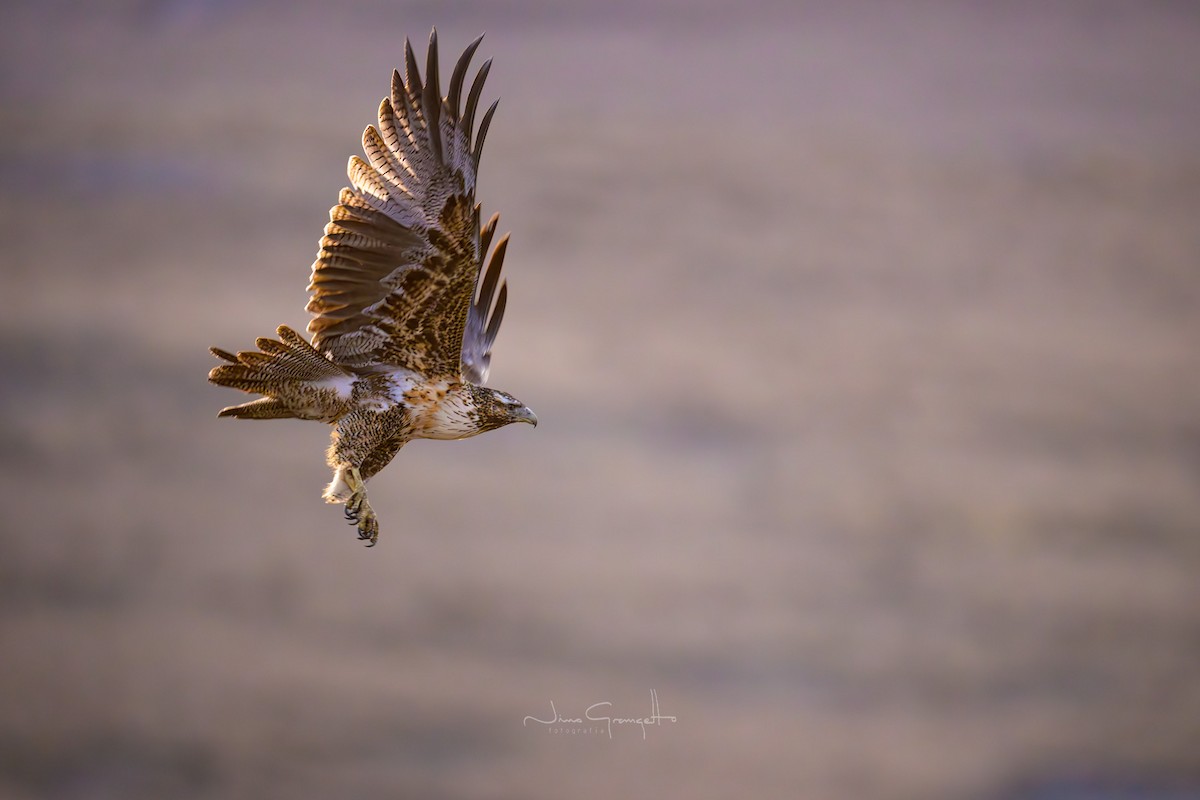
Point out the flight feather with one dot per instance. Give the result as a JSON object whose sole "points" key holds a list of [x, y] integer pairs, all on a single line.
{"points": [[396, 277]]}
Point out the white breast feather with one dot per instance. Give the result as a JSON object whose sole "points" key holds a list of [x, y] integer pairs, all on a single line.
{"points": [[453, 418]]}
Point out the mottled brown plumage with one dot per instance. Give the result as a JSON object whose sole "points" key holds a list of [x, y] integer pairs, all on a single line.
{"points": [[404, 311]]}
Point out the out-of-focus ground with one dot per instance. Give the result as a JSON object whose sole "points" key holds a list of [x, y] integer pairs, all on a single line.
{"points": [[865, 343]]}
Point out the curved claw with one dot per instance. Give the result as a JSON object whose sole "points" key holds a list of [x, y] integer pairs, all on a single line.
{"points": [[368, 528], [358, 513]]}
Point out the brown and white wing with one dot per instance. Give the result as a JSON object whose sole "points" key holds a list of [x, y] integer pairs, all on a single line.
{"points": [[484, 318], [395, 278]]}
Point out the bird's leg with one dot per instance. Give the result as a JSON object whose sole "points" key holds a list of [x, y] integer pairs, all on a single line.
{"points": [[347, 482], [349, 488], [362, 443]]}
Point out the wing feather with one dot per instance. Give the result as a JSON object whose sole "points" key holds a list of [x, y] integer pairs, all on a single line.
{"points": [[483, 129], [394, 282], [483, 326], [473, 99], [460, 73], [431, 99], [390, 168]]}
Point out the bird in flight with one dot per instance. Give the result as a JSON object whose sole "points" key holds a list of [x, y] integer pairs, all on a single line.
{"points": [[406, 302]]}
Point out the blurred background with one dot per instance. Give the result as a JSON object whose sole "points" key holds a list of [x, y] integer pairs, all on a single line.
{"points": [[864, 342]]}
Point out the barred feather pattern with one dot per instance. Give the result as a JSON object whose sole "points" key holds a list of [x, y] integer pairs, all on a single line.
{"points": [[297, 380], [395, 280]]}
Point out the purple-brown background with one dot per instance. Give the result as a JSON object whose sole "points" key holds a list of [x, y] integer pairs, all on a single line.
{"points": [[865, 342]]}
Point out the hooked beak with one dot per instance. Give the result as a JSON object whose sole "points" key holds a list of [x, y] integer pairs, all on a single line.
{"points": [[525, 414]]}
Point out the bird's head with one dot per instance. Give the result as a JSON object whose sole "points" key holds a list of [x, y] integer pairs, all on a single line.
{"points": [[495, 409]]}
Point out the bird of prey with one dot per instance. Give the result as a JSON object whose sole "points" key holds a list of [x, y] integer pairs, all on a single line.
{"points": [[403, 296]]}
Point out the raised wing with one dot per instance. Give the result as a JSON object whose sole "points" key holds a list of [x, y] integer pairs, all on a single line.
{"points": [[394, 281], [482, 328]]}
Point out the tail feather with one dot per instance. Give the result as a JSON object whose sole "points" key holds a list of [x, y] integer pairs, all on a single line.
{"points": [[262, 408], [276, 368], [225, 354]]}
